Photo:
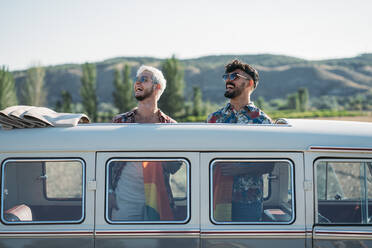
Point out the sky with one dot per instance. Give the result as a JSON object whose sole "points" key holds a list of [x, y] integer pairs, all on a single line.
{"points": [[51, 32]]}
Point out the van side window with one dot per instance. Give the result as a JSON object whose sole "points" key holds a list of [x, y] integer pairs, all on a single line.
{"points": [[255, 192], [42, 191], [147, 191], [344, 192], [68, 172]]}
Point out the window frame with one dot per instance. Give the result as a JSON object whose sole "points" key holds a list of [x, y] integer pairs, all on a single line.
{"points": [[238, 160], [339, 160], [149, 159], [42, 160]]}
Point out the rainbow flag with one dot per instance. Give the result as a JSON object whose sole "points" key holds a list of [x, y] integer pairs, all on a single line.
{"points": [[222, 195], [157, 201]]}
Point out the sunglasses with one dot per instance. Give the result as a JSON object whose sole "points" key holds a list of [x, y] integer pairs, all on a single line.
{"points": [[232, 76], [141, 79]]}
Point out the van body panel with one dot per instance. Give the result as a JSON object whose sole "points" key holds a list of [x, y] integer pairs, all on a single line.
{"points": [[159, 242], [251, 243], [300, 154], [331, 234], [46, 242], [147, 234], [342, 236], [284, 234], [43, 234], [190, 137]]}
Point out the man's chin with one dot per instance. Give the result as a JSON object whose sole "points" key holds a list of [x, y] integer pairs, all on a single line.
{"points": [[229, 94], [140, 98]]}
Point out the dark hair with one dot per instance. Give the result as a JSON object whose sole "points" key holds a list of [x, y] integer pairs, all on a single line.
{"points": [[237, 64]]}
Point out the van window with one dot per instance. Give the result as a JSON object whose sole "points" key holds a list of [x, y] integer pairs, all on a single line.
{"points": [[252, 192], [42, 191], [344, 192], [147, 191], [70, 173]]}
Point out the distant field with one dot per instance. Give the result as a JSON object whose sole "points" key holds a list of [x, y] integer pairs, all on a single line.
{"points": [[364, 116], [348, 118]]}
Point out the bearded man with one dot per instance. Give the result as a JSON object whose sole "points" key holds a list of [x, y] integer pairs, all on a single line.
{"points": [[245, 186], [241, 80]]}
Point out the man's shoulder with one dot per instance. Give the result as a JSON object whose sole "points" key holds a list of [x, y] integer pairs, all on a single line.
{"points": [[126, 117], [165, 118], [213, 117], [258, 116]]}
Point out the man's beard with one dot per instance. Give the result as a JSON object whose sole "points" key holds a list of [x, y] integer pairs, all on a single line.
{"points": [[145, 95], [236, 91]]}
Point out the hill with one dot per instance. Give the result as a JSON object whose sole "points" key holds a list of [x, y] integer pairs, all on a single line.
{"points": [[279, 76]]}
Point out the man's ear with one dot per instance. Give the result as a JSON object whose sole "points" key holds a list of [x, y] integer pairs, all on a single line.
{"points": [[251, 83]]}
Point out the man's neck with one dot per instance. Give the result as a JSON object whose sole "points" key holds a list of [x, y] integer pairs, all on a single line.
{"points": [[147, 111], [239, 102]]}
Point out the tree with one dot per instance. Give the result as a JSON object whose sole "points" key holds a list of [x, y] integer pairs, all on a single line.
{"points": [[293, 102], [197, 102], [260, 102], [65, 105], [123, 92], [303, 98], [356, 102], [8, 95], [88, 90], [172, 100], [325, 103], [33, 92]]}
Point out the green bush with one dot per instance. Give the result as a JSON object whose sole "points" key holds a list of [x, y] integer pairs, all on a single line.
{"points": [[192, 118]]}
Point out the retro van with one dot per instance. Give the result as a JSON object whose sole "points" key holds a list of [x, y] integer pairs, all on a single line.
{"points": [[306, 183]]}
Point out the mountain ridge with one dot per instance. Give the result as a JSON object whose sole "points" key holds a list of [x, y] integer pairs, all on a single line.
{"points": [[280, 75]]}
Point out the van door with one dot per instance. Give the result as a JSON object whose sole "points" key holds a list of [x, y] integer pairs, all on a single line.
{"points": [[44, 200], [254, 199], [147, 199], [343, 200]]}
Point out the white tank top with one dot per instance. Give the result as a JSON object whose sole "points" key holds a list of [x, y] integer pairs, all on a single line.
{"points": [[130, 193]]}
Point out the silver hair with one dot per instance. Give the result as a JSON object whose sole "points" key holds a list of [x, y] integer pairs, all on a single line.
{"points": [[157, 76]]}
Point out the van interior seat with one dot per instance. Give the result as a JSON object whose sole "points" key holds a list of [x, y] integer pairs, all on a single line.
{"points": [[18, 213]]}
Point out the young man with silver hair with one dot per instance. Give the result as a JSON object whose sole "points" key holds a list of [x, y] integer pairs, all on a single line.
{"points": [[149, 86], [127, 197]]}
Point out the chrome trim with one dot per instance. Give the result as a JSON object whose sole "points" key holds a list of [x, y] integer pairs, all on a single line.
{"points": [[254, 234], [339, 149], [147, 234], [34, 234], [291, 165], [82, 162], [184, 160], [344, 235]]}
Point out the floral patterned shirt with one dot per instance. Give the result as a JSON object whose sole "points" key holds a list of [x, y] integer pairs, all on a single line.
{"points": [[130, 117], [246, 188], [250, 114]]}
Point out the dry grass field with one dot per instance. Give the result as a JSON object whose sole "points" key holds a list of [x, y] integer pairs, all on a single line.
{"points": [[364, 118]]}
